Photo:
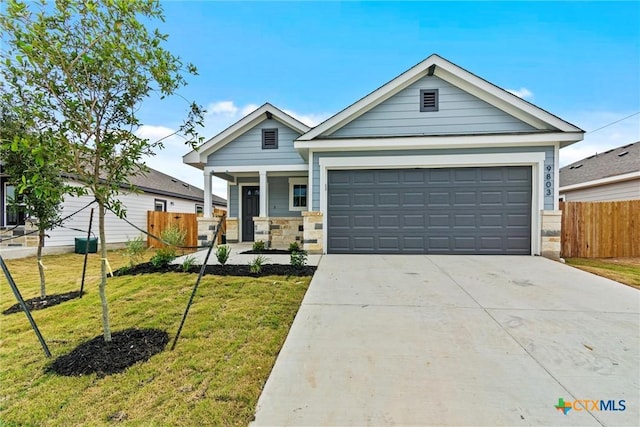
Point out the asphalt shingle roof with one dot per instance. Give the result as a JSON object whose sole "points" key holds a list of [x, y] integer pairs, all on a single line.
{"points": [[602, 165], [157, 182]]}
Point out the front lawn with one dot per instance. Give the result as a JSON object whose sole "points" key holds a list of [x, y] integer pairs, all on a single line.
{"points": [[623, 270], [225, 353]]}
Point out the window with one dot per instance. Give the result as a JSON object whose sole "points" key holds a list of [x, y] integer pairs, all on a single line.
{"points": [[200, 209], [297, 194], [428, 100], [15, 209], [269, 138], [160, 205]]}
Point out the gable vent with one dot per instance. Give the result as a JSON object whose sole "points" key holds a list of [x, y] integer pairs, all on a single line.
{"points": [[269, 138], [429, 100]]}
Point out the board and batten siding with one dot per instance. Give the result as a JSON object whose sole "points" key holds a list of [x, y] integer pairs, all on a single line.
{"points": [[116, 229], [246, 150], [627, 190], [458, 113], [548, 150]]}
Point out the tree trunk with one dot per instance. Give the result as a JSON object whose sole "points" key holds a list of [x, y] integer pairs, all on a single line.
{"points": [[43, 291], [103, 273]]}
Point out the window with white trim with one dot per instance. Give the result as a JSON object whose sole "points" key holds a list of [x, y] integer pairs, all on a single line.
{"points": [[160, 205], [298, 194]]}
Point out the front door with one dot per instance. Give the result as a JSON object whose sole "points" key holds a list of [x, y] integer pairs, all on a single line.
{"points": [[250, 208]]}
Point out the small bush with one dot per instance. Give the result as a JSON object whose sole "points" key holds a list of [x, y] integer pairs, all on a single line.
{"points": [[299, 259], [173, 236], [255, 266], [188, 262], [259, 246], [222, 254], [135, 249], [294, 247]]}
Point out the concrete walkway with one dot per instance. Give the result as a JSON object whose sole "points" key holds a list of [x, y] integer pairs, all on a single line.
{"points": [[456, 340]]}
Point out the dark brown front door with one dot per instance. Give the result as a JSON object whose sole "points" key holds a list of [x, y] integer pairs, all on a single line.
{"points": [[250, 208]]}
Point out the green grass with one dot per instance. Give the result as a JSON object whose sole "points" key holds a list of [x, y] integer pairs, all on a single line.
{"points": [[229, 343], [623, 270]]}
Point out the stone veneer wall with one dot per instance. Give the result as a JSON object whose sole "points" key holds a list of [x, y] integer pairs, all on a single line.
{"points": [[12, 236], [207, 227], [313, 232], [284, 231], [232, 230], [262, 230], [551, 234]]}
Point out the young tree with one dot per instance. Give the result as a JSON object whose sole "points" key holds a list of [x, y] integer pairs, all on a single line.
{"points": [[27, 159], [82, 68]]}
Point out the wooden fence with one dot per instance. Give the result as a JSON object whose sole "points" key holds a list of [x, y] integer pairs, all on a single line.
{"points": [[157, 222], [600, 229]]}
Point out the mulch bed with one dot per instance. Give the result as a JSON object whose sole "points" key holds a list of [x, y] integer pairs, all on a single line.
{"points": [[221, 270], [99, 357], [40, 303], [268, 251]]}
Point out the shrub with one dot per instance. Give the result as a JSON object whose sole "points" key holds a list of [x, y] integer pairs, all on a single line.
{"points": [[222, 254], [188, 262], [255, 266], [259, 246], [135, 249], [299, 259], [294, 247], [173, 236]]}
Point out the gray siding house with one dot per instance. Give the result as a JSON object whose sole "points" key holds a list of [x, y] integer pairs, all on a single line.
{"points": [[435, 161]]}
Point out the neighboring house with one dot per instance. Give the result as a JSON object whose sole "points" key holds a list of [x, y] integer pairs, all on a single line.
{"points": [[612, 175], [158, 191], [437, 160]]}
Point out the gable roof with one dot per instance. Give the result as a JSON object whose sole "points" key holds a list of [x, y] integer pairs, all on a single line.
{"points": [[457, 76], [609, 164], [198, 157]]}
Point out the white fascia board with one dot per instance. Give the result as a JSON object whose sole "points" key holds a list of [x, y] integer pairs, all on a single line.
{"points": [[256, 169], [603, 181], [432, 142], [243, 125]]}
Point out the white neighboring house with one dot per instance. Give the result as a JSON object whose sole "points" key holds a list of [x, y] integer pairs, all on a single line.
{"points": [[158, 191], [610, 176]]}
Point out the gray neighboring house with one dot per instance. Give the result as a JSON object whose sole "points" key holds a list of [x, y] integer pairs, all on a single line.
{"points": [[437, 161], [158, 191], [609, 176]]}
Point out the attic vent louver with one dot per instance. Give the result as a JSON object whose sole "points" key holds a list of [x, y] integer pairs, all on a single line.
{"points": [[428, 100], [623, 154], [269, 138]]}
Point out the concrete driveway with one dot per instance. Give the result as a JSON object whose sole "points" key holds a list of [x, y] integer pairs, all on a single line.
{"points": [[456, 340]]}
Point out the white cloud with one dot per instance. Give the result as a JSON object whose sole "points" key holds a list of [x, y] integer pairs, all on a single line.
{"points": [[222, 107], [523, 93], [311, 120], [625, 132], [249, 108]]}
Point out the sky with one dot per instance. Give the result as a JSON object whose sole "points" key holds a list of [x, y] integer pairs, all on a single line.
{"points": [[577, 60]]}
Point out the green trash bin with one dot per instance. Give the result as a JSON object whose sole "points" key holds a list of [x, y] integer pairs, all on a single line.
{"points": [[81, 245]]}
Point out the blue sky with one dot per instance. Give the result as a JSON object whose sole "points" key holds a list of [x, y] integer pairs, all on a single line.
{"points": [[578, 60]]}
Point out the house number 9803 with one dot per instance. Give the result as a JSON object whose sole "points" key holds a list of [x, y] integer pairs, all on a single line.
{"points": [[547, 181]]}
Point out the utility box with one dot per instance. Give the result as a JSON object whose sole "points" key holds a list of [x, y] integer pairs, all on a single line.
{"points": [[81, 245]]}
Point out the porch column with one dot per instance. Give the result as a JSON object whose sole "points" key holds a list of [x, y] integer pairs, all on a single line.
{"points": [[264, 192], [207, 194]]}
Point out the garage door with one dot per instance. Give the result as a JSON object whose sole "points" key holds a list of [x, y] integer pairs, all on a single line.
{"points": [[436, 211]]}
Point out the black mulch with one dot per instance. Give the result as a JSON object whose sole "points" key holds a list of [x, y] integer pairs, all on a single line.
{"points": [[99, 357], [221, 270], [39, 303], [268, 251]]}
